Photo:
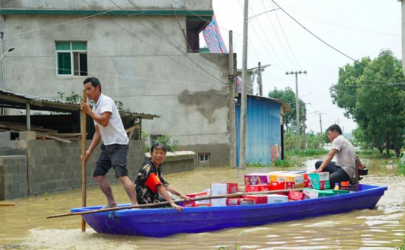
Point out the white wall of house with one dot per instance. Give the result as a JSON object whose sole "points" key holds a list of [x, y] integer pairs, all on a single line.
{"points": [[104, 4], [134, 64]]}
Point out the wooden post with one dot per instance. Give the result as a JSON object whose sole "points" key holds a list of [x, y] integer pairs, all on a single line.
{"points": [[83, 130], [28, 115], [231, 76]]}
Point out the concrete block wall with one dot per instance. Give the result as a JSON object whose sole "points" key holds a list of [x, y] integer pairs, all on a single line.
{"points": [[56, 166], [13, 177], [178, 161], [49, 166]]}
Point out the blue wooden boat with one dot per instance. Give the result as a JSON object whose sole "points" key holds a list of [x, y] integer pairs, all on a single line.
{"points": [[161, 222]]}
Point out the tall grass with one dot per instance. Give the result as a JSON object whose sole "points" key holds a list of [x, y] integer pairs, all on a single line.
{"points": [[307, 152]]}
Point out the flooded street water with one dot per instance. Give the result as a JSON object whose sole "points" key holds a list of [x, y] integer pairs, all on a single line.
{"points": [[25, 226]]}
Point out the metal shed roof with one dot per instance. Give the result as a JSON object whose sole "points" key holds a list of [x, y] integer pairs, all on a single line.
{"points": [[13, 100]]}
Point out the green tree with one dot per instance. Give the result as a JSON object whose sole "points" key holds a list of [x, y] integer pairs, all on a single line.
{"points": [[288, 96], [372, 93]]}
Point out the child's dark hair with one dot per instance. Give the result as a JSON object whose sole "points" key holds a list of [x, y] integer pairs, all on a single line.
{"points": [[158, 145], [94, 82]]}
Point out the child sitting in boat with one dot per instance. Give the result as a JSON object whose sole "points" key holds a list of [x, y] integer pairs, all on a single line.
{"points": [[149, 182]]}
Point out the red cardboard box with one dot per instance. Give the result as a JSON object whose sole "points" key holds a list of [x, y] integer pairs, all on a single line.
{"points": [[307, 181], [277, 185], [256, 188], [201, 203], [296, 195], [258, 199], [232, 201]]}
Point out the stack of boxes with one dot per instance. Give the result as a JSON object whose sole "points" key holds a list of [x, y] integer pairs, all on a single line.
{"points": [[222, 189], [315, 185]]}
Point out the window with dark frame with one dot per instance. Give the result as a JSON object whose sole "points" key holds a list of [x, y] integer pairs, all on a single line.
{"points": [[71, 58], [204, 157], [154, 138]]}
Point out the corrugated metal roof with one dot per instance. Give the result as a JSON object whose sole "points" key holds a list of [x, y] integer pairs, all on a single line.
{"points": [[285, 106], [14, 100]]}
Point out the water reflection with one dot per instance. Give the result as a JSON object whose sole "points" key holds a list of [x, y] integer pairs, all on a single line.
{"points": [[25, 225]]}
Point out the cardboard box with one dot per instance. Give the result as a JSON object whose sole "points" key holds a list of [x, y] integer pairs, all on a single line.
{"points": [[293, 181], [247, 201], [258, 199], [277, 176], [200, 203], [307, 181], [315, 193], [277, 185], [222, 189], [233, 201], [296, 195], [276, 198], [257, 188], [256, 179], [319, 181], [341, 191]]}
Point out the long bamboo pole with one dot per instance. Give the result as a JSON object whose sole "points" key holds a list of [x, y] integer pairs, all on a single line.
{"points": [[176, 201], [83, 130]]}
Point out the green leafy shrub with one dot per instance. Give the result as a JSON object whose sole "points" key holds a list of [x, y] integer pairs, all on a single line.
{"points": [[165, 139]]}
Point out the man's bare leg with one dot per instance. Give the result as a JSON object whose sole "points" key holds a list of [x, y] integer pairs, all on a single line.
{"points": [[106, 189], [129, 188]]}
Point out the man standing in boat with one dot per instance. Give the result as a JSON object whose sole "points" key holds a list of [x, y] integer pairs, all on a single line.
{"points": [[149, 182], [114, 148], [344, 169]]}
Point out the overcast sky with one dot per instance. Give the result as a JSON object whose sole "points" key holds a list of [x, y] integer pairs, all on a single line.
{"points": [[358, 28]]}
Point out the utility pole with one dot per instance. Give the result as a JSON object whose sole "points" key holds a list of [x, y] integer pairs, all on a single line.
{"points": [[297, 104], [231, 77], [259, 79], [242, 142], [304, 119], [320, 123]]}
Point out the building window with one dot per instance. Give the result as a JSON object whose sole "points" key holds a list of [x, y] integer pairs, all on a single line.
{"points": [[204, 157], [71, 58], [154, 138]]}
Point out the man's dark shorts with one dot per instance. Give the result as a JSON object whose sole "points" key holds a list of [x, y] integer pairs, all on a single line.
{"points": [[114, 155]]}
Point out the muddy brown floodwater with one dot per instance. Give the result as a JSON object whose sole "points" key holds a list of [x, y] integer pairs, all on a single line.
{"points": [[25, 226]]}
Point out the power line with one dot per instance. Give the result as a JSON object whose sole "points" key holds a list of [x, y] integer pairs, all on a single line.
{"points": [[324, 42], [54, 25], [265, 47], [285, 37], [111, 75], [167, 38], [329, 22], [124, 28], [275, 32]]}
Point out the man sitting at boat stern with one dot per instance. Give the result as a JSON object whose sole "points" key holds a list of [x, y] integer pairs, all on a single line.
{"points": [[149, 182], [344, 168]]}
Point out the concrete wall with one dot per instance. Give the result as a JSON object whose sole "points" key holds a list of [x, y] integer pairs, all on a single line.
{"points": [[55, 166], [105, 4], [50, 166], [13, 177], [178, 161], [147, 68]]}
